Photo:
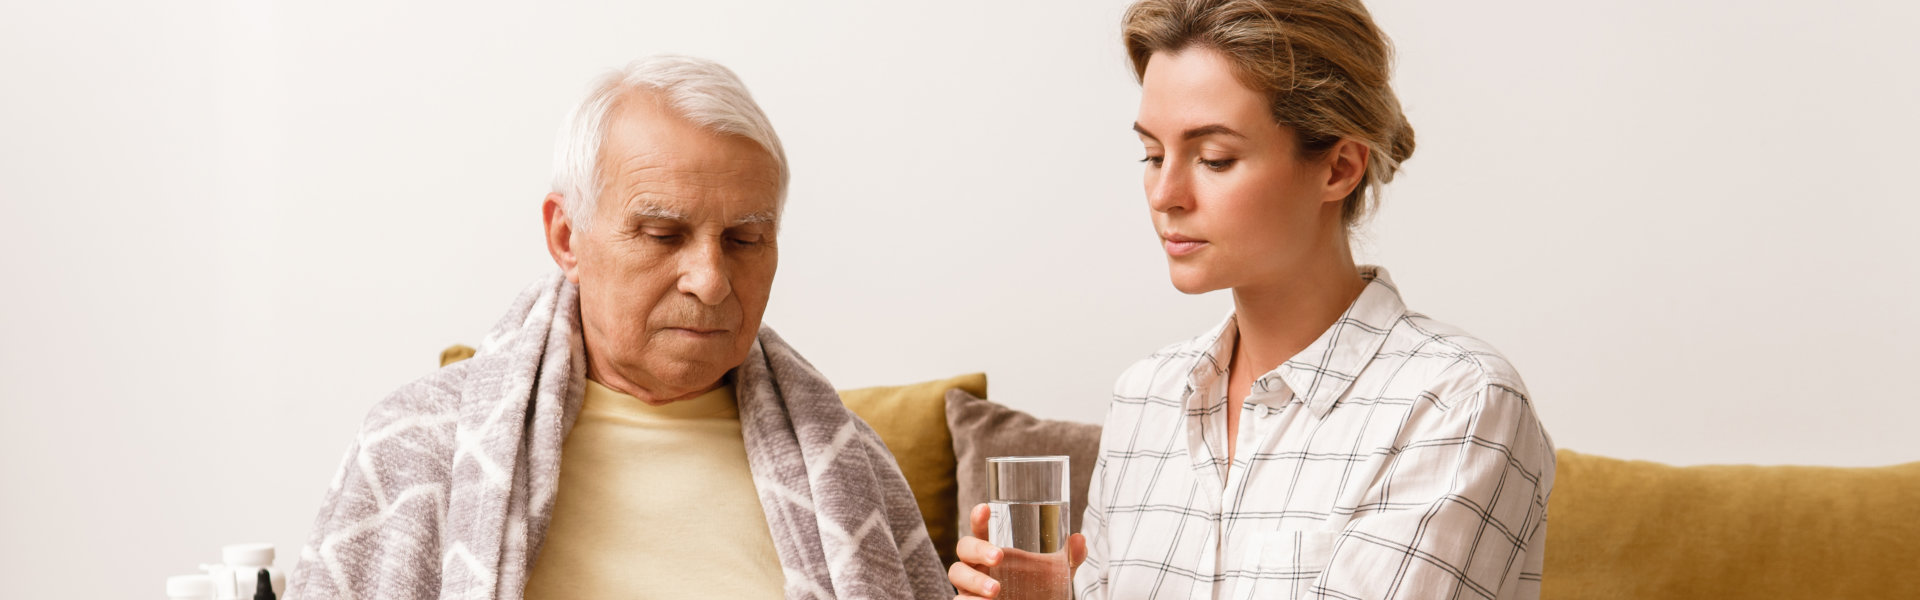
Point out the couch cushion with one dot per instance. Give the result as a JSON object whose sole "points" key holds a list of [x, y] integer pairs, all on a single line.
{"points": [[912, 420], [982, 430], [455, 353], [1633, 529]]}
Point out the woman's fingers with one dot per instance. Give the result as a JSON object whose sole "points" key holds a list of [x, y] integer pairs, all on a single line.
{"points": [[969, 581], [977, 551], [976, 555], [979, 517], [968, 575], [1076, 551]]}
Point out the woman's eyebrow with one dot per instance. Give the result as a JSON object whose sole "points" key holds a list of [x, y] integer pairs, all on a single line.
{"points": [[1195, 133], [1207, 130]]}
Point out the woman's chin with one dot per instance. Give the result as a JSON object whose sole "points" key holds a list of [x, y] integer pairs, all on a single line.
{"points": [[1190, 280]]}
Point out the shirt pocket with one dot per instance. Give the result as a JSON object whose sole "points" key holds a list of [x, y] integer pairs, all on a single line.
{"points": [[1286, 562]]}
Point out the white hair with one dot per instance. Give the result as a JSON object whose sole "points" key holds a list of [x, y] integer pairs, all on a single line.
{"points": [[701, 91]]}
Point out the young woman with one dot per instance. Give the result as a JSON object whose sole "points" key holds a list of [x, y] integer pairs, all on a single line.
{"points": [[1323, 440]]}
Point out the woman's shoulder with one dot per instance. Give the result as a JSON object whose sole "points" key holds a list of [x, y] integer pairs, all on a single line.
{"points": [[1455, 358], [1463, 384]]}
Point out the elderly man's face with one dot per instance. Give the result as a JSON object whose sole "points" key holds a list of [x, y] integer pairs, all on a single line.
{"points": [[677, 263]]}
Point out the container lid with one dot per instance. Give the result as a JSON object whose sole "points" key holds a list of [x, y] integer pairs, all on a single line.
{"points": [[190, 586], [248, 555]]}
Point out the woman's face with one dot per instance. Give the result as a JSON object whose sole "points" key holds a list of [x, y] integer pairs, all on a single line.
{"points": [[1234, 203]]}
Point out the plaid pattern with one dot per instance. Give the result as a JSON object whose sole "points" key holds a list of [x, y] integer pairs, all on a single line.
{"points": [[1395, 457]]}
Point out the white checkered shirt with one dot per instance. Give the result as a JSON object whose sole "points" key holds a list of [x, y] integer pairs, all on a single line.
{"points": [[1395, 457]]}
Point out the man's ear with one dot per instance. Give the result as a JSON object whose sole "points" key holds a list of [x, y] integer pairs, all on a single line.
{"points": [[559, 226], [1346, 164]]}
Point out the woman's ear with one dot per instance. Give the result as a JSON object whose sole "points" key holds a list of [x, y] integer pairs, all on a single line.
{"points": [[1346, 164], [559, 229]]}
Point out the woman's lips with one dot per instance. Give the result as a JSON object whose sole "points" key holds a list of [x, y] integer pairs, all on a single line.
{"points": [[1178, 245]]}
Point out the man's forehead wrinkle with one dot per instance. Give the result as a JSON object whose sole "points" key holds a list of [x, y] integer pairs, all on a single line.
{"points": [[703, 184], [662, 167], [678, 192], [676, 203], [638, 163]]}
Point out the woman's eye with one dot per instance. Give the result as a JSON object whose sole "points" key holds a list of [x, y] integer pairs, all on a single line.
{"points": [[1217, 165], [1154, 161]]}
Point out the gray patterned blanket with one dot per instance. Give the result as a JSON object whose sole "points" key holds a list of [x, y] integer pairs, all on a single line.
{"points": [[449, 487]]}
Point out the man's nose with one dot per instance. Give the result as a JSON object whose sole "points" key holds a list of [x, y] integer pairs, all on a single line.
{"points": [[703, 273]]}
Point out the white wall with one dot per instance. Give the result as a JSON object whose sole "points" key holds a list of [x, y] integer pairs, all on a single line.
{"points": [[231, 227]]}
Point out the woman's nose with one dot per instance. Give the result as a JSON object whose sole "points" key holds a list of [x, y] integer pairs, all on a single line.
{"points": [[1169, 189]]}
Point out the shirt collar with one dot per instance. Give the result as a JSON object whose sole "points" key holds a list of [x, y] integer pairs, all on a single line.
{"points": [[717, 403], [1215, 348], [1321, 373]]}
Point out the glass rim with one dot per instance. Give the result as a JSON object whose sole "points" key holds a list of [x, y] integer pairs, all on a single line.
{"points": [[1021, 459]]}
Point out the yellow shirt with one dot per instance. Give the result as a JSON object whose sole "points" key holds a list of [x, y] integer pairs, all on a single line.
{"points": [[656, 502]]}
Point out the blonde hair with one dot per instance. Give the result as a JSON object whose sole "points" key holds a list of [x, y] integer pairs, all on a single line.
{"points": [[1323, 64]]}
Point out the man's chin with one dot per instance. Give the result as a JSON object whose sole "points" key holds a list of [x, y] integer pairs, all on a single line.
{"points": [[681, 379], [692, 362]]}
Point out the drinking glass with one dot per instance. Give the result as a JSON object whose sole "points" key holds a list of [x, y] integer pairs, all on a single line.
{"points": [[1030, 522]]}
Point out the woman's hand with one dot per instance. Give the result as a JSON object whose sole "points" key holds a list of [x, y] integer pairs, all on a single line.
{"points": [[978, 558]]}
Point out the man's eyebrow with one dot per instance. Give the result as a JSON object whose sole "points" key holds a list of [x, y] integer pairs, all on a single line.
{"points": [[1195, 133], [655, 211], [662, 213], [754, 219]]}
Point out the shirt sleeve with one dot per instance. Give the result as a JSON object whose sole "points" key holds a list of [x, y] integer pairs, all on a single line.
{"points": [[1459, 510]]}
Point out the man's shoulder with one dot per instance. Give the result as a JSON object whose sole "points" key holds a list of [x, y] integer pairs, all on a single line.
{"points": [[432, 398]]}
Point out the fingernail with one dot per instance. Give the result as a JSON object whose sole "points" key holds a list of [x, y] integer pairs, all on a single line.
{"points": [[993, 588], [993, 555]]}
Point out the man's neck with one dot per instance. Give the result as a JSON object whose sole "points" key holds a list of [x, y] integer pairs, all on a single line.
{"points": [[657, 394]]}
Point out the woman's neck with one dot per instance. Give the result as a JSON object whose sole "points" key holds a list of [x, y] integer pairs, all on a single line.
{"points": [[1278, 320]]}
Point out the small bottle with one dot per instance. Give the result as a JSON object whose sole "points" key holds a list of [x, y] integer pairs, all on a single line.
{"points": [[244, 563], [263, 586], [190, 587]]}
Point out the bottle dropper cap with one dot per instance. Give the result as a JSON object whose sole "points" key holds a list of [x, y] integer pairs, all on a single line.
{"points": [[263, 587]]}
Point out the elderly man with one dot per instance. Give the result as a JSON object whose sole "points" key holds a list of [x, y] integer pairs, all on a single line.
{"points": [[629, 429]]}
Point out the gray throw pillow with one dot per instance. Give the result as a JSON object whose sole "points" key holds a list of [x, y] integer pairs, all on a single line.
{"points": [[982, 429]]}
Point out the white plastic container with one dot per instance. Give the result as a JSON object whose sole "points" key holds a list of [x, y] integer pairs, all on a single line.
{"points": [[190, 587], [235, 577]]}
